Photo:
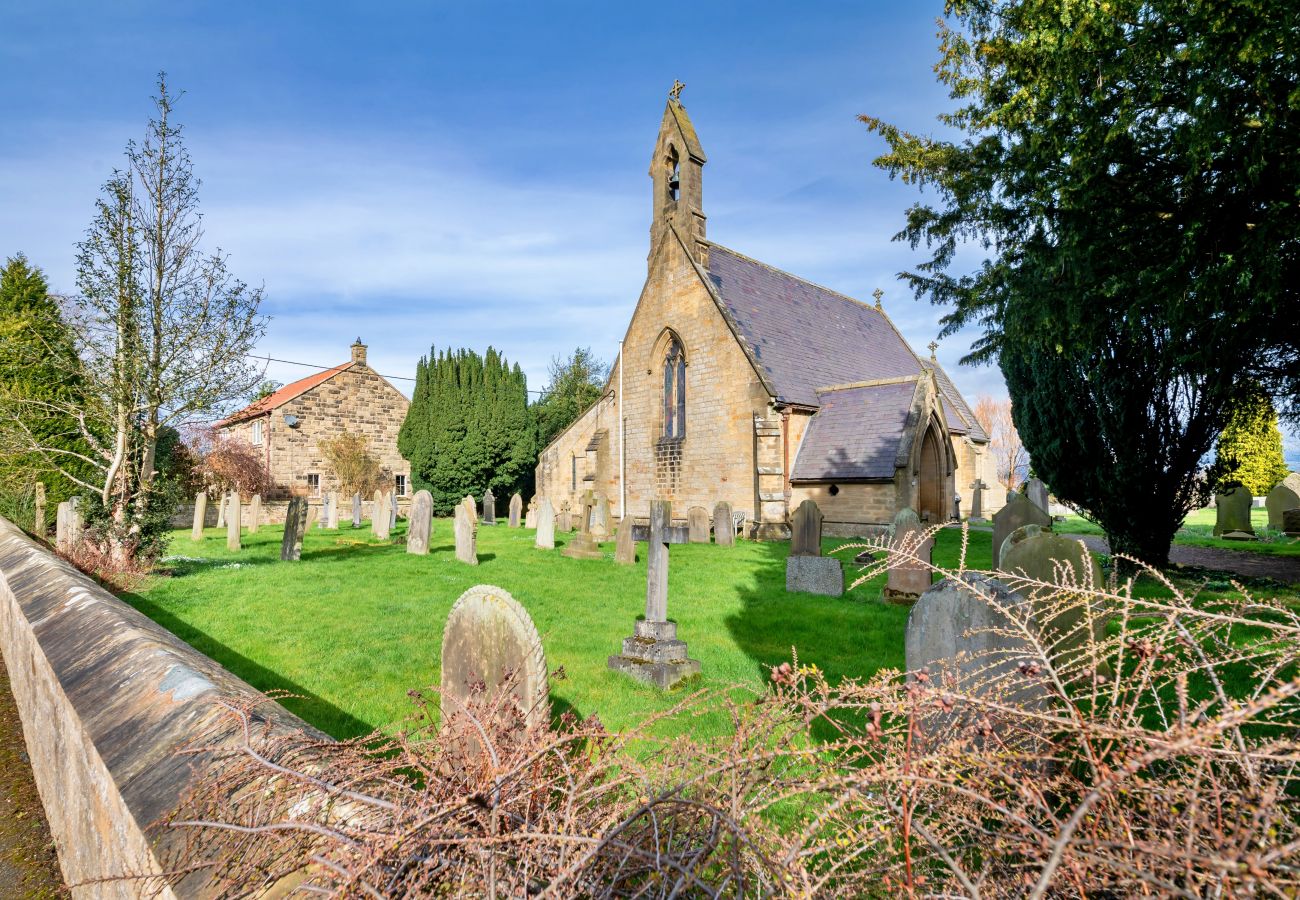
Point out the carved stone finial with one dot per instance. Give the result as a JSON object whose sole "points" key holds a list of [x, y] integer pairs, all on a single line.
{"points": [[676, 92], [933, 347], [878, 293]]}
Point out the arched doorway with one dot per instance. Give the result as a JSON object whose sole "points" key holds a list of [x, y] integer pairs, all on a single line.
{"points": [[929, 500]]}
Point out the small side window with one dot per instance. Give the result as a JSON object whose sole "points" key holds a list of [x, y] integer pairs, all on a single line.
{"points": [[257, 433], [313, 484], [400, 485]]}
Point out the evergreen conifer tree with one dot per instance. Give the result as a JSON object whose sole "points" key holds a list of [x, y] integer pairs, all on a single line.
{"points": [[1250, 447]]}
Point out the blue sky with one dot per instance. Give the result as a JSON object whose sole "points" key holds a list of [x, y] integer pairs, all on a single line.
{"points": [[475, 173]]}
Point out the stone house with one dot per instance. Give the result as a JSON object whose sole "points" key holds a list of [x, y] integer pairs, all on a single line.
{"points": [[288, 426], [740, 382]]}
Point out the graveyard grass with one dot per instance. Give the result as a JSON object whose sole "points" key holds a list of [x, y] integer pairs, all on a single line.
{"points": [[1198, 531], [357, 623]]}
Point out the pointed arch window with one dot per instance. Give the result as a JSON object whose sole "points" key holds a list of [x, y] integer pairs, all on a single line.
{"points": [[674, 391], [674, 175]]}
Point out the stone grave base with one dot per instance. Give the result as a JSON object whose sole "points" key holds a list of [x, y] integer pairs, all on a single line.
{"points": [[583, 547], [815, 575], [654, 655], [1237, 536]]}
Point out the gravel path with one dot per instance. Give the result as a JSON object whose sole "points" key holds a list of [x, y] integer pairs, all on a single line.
{"points": [[1240, 562]]}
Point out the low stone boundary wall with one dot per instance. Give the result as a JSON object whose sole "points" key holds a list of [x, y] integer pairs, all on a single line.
{"points": [[273, 511], [106, 698]]}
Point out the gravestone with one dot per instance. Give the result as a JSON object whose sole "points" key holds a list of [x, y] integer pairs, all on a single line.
{"points": [[956, 507], [530, 517], [295, 524], [67, 525], [909, 579], [1036, 491], [200, 513], [356, 510], [724, 525], [232, 523], [806, 530], [977, 500], [489, 644], [1285, 495], [470, 507], [968, 642], [466, 536], [600, 519], [1232, 512], [489, 507], [38, 516], [516, 509], [221, 509], [564, 521], [381, 512], [254, 513], [814, 575], [1018, 512], [332, 510], [392, 510], [583, 546], [1291, 521], [697, 525], [313, 513], [625, 543], [420, 529], [653, 654], [545, 539], [1038, 555]]}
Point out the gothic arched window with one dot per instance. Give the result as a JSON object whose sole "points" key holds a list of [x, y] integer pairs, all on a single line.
{"points": [[674, 391], [674, 175]]}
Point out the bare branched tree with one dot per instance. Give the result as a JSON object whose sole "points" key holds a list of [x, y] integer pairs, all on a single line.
{"points": [[162, 330], [1009, 455]]}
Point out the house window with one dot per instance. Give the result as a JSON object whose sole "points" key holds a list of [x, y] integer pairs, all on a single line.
{"points": [[313, 484], [401, 485], [674, 392], [257, 433]]}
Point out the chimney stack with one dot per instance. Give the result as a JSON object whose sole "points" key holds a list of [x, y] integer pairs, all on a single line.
{"points": [[359, 353]]}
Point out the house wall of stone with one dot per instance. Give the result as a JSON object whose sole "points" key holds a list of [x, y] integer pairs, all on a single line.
{"points": [[356, 400]]}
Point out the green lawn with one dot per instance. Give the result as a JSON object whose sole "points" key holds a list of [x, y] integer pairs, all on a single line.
{"points": [[1198, 531], [357, 623]]}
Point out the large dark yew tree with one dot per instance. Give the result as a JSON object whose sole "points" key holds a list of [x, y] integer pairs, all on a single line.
{"points": [[1130, 172]]}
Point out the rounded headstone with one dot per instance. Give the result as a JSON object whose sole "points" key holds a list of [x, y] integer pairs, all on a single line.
{"points": [[421, 523], [490, 644], [1019, 511], [1285, 495], [1291, 521], [1232, 511]]}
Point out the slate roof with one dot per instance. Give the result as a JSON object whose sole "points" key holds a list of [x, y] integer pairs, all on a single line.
{"points": [[283, 395], [961, 420], [856, 433], [804, 336]]}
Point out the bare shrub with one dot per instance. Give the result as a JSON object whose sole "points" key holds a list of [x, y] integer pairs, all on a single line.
{"points": [[358, 472], [1172, 775], [231, 464], [92, 556]]}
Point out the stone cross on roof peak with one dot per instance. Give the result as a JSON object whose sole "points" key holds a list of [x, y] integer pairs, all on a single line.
{"points": [[676, 91], [878, 293], [933, 347]]}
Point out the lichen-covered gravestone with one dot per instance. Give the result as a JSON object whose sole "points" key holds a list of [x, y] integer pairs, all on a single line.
{"points": [[1036, 491], [545, 539], [806, 570], [1232, 512], [564, 521], [530, 517], [1285, 495], [488, 645], [909, 578], [470, 507], [489, 507], [1018, 512], [255, 514], [516, 509], [625, 543], [697, 525], [466, 536], [232, 523], [583, 546], [421, 523], [600, 519], [392, 510], [1033, 558], [724, 526], [295, 524], [200, 513]]}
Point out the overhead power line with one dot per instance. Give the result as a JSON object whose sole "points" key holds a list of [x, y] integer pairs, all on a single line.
{"points": [[294, 362]]}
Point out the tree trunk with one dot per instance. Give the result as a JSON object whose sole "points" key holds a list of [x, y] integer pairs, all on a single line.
{"points": [[1145, 538]]}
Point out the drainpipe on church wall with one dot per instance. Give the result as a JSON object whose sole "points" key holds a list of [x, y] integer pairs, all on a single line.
{"points": [[785, 456], [622, 469]]}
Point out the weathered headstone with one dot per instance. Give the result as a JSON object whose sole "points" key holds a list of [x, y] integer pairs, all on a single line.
{"points": [[697, 524], [724, 525], [200, 514], [67, 525], [383, 515], [1036, 491], [600, 519], [420, 527], [232, 523], [545, 539], [806, 530], [977, 499], [909, 579], [956, 507], [530, 517], [392, 510], [377, 511], [564, 521], [221, 509], [516, 510], [653, 654], [1038, 555], [295, 524], [313, 513], [1232, 512], [489, 507], [490, 644], [583, 546], [625, 543], [1291, 521], [814, 575], [38, 514], [330, 511], [466, 536], [1285, 495], [470, 507], [356, 510], [1018, 512]]}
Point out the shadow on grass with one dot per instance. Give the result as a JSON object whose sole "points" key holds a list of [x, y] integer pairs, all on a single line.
{"points": [[306, 705]]}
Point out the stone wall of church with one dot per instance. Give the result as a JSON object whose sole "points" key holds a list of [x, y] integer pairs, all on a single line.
{"points": [[357, 400], [854, 510], [975, 461]]}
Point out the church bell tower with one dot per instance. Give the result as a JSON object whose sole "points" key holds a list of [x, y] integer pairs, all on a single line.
{"points": [[677, 169]]}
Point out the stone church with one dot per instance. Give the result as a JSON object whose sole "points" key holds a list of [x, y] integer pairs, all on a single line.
{"points": [[740, 382]]}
